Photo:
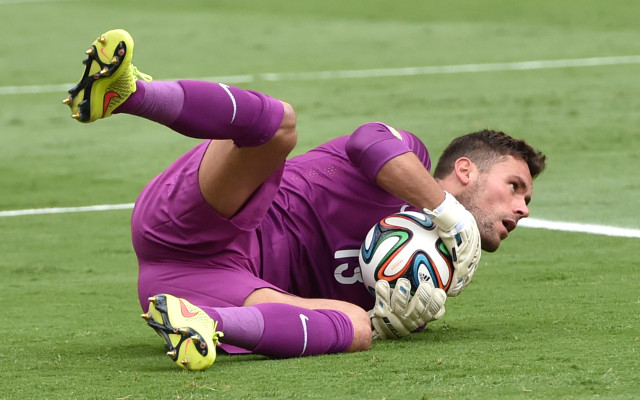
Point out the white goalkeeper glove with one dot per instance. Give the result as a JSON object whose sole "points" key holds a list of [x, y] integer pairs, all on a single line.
{"points": [[397, 313], [459, 232]]}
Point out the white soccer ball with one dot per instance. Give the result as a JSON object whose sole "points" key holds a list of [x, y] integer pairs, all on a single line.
{"points": [[405, 245]]}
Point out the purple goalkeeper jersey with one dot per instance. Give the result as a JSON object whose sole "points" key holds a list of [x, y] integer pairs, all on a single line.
{"points": [[311, 235]]}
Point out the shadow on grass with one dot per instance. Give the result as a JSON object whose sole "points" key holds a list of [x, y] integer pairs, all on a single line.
{"points": [[148, 356]]}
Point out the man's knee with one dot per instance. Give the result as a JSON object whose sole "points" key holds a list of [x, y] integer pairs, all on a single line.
{"points": [[361, 330], [287, 134]]}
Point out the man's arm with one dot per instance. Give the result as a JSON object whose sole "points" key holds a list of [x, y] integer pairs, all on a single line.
{"points": [[398, 162], [405, 177]]}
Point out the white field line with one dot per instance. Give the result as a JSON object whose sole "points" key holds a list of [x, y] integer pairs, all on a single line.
{"points": [[527, 223], [64, 210], [582, 228], [371, 73], [374, 73]]}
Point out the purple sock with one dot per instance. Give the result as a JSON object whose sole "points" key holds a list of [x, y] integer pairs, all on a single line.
{"points": [[207, 110], [160, 101], [291, 331], [281, 330], [242, 326]]}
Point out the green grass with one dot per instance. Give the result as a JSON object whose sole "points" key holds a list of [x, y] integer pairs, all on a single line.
{"points": [[551, 315]]}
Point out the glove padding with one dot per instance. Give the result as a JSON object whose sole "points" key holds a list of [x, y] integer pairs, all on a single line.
{"points": [[459, 233], [397, 313]]}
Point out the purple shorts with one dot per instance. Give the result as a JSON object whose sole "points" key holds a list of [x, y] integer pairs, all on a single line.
{"points": [[185, 248]]}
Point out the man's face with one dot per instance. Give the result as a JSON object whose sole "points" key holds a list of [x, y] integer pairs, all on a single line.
{"points": [[498, 200]]}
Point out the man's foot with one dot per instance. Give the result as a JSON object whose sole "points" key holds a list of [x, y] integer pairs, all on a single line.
{"points": [[190, 333], [108, 80]]}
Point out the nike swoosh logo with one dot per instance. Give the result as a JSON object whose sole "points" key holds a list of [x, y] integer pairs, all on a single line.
{"points": [[107, 100], [185, 312], [104, 54], [304, 319], [233, 100]]}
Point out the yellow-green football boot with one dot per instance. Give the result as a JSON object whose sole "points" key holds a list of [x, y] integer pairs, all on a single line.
{"points": [[190, 333], [108, 80]]}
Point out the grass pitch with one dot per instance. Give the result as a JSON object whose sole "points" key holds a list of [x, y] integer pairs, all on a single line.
{"points": [[551, 315]]}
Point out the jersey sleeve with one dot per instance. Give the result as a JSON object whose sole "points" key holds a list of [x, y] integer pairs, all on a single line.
{"points": [[373, 144]]}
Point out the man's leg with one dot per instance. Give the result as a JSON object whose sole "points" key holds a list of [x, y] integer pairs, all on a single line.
{"points": [[230, 174], [276, 329], [358, 317], [268, 322], [255, 133], [326, 326], [281, 330]]}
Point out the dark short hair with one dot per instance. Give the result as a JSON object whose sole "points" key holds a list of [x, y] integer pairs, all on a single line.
{"points": [[486, 148]]}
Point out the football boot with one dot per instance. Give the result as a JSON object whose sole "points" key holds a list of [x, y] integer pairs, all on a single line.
{"points": [[191, 336], [108, 80]]}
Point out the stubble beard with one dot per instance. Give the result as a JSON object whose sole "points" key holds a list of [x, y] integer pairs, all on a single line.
{"points": [[469, 199]]}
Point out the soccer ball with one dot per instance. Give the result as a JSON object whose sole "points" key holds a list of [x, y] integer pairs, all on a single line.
{"points": [[405, 245]]}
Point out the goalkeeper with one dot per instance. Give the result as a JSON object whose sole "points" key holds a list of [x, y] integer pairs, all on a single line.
{"points": [[242, 248]]}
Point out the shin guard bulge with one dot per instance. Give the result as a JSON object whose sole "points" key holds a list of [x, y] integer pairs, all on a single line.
{"points": [[291, 331]]}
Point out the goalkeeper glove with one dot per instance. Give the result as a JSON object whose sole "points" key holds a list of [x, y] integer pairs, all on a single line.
{"points": [[459, 233], [397, 313]]}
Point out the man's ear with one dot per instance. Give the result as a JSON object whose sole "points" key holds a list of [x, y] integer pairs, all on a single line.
{"points": [[465, 170]]}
